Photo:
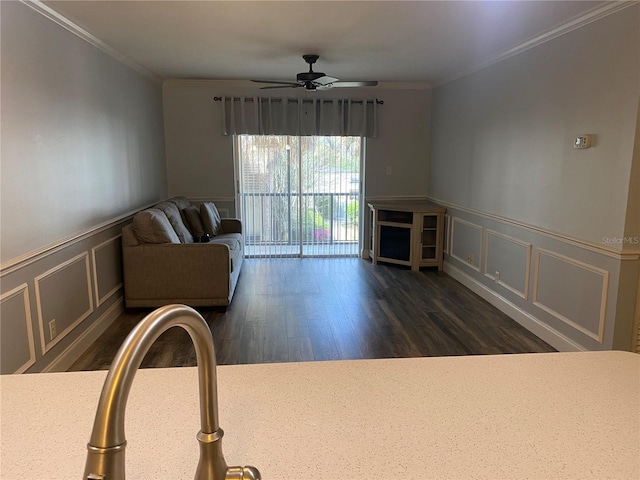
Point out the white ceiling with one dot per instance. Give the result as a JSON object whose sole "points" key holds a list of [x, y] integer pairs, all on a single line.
{"points": [[390, 41]]}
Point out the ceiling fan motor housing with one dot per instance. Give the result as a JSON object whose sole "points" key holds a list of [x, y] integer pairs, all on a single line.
{"points": [[314, 80], [309, 76]]}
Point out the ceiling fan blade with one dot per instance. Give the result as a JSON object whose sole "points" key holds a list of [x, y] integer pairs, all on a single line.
{"points": [[372, 83], [289, 85], [276, 82], [325, 80], [314, 80]]}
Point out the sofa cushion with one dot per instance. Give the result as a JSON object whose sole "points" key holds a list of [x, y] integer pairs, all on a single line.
{"points": [[152, 226], [210, 218], [170, 209], [234, 242], [191, 214], [181, 202]]}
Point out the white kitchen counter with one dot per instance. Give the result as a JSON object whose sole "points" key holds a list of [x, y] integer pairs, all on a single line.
{"points": [[552, 416]]}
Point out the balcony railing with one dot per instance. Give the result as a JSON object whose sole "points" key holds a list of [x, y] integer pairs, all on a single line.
{"points": [[307, 219]]}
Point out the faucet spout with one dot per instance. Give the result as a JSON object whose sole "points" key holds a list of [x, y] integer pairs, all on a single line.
{"points": [[106, 448]]}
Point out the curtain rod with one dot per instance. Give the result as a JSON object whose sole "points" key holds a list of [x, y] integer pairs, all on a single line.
{"points": [[304, 100]]}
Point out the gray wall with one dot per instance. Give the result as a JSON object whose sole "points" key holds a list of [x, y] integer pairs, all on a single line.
{"points": [[200, 158], [82, 136], [82, 148], [560, 225], [502, 137]]}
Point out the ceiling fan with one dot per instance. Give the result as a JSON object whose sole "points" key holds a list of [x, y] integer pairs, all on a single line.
{"points": [[314, 80]]}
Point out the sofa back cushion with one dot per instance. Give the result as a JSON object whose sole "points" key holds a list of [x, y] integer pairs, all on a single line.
{"points": [[170, 209], [210, 218], [152, 226], [191, 214], [181, 202]]}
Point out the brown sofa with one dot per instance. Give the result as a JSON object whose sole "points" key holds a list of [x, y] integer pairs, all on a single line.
{"points": [[165, 260]]}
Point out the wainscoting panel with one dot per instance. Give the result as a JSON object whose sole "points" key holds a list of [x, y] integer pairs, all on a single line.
{"points": [[77, 281], [574, 294], [18, 350], [507, 262], [572, 291], [63, 293], [107, 268], [466, 243]]}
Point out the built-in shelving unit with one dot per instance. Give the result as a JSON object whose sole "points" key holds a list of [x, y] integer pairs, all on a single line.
{"points": [[407, 233]]}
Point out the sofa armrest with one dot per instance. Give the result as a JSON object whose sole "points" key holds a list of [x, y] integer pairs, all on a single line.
{"points": [[231, 225], [198, 270]]}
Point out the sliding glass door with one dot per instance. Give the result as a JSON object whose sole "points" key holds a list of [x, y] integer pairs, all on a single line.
{"points": [[299, 196]]}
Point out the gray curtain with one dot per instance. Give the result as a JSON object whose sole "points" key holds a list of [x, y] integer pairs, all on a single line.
{"points": [[299, 116]]}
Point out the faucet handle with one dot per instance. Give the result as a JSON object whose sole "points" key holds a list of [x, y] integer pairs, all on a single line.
{"points": [[242, 473]]}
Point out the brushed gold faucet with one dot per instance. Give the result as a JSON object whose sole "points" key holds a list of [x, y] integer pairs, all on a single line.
{"points": [[105, 459]]}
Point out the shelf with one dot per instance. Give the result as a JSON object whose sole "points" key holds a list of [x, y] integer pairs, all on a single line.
{"points": [[429, 253], [429, 238], [396, 224], [394, 216], [430, 221]]}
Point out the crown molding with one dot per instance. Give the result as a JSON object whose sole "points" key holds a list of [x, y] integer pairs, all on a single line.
{"points": [[590, 16], [80, 32]]}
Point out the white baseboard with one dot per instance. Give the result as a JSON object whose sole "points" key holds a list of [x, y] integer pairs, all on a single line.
{"points": [[70, 354], [527, 320]]}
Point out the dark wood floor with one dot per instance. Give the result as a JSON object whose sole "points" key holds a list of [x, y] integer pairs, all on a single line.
{"points": [[290, 310]]}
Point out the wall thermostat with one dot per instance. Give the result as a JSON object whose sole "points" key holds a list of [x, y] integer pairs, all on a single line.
{"points": [[582, 141]]}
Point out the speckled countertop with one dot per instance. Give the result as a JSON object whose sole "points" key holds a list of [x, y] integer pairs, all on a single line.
{"points": [[551, 416]]}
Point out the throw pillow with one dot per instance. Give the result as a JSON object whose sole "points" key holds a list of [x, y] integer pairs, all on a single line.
{"points": [[191, 215], [210, 218], [175, 219], [152, 226]]}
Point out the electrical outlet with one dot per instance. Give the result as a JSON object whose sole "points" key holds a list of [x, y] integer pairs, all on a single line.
{"points": [[470, 259], [497, 276], [389, 170], [52, 329]]}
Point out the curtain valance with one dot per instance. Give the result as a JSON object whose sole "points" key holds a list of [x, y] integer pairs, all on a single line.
{"points": [[299, 116]]}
